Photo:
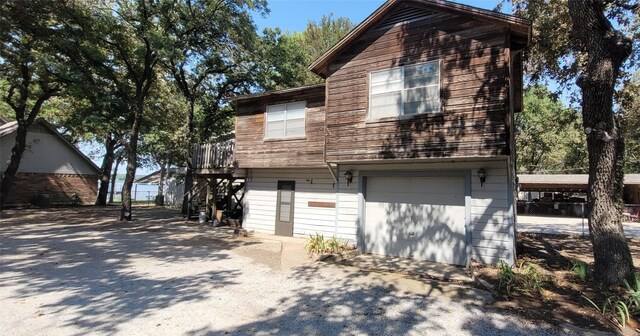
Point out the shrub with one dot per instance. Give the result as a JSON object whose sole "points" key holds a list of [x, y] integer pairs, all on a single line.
{"points": [[317, 244], [525, 278], [580, 267], [621, 307]]}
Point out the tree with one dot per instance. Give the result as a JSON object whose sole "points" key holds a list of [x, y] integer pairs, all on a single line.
{"points": [[209, 54], [630, 109], [575, 41], [288, 55], [30, 69], [101, 93], [551, 139], [118, 157], [163, 139]]}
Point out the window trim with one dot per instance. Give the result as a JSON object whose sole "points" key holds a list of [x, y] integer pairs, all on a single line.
{"points": [[403, 92], [291, 137]]}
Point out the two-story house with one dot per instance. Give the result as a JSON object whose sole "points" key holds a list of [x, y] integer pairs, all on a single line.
{"points": [[407, 149]]}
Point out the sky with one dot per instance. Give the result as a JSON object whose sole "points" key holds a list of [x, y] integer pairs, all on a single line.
{"points": [[292, 16]]}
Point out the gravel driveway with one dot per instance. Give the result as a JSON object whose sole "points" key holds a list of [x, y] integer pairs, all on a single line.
{"points": [[77, 272]]}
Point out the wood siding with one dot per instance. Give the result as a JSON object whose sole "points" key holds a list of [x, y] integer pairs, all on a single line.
{"points": [[253, 151], [474, 69]]}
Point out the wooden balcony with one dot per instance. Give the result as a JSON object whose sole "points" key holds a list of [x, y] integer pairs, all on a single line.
{"points": [[214, 158]]}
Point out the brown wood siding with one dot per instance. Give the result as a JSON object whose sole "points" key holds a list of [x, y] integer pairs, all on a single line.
{"points": [[253, 151], [474, 68]]}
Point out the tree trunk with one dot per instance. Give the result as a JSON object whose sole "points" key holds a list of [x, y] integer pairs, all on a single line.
{"points": [[132, 158], [163, 176], [14, 163], [105, 174], [114, 176], [188, 176], [606, 51]]}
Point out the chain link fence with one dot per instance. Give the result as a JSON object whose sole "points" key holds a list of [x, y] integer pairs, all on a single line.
{"points": [[140, 197], [631, 212], [556, 209]]}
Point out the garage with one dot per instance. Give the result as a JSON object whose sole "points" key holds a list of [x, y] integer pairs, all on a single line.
{"points": [[416, 217]]}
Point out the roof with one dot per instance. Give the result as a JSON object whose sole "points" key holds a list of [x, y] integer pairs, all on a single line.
{"points": [[566, 179], [10, 127], [519, 26], [279, 92], [154, 178]]}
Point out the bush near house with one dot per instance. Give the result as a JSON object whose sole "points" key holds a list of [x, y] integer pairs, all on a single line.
{"points": [[317, 244]]}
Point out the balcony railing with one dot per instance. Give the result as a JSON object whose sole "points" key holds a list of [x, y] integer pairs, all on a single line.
{"points": [[213, 155]]}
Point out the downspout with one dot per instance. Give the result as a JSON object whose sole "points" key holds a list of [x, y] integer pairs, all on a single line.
{"points": [[335, 178], [326, 131]]}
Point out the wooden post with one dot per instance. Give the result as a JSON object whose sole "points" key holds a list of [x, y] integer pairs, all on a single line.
{"points": [[214, 196], [208, 200]]}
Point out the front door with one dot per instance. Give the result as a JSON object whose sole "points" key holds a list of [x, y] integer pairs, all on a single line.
{"points": [[284, 208]]}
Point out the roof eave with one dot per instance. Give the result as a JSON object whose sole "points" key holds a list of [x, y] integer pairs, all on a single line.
{"points": [[277, 92]]}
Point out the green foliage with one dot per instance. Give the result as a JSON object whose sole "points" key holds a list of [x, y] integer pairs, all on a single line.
{"points": [[580, 267], [621, 306], [633, 292], [552, 53], [317, 244], [629, 98], [551, 139], [525, 278], [507, 278], [289, 54]]}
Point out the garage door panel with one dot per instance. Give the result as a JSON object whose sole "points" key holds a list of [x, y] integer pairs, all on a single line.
{"points": [[428, 225], [408, 184], [445, 191]]}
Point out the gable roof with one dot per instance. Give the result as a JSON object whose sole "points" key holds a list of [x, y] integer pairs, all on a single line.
{"points": [[10, 127], [519, 27], [154, 178]]}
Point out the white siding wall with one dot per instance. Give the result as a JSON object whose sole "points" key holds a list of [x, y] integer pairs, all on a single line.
{"points": [[492, 221], [312, 185], [491, 218], [348, 207]]}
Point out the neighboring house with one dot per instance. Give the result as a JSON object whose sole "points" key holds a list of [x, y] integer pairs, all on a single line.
{"points": [[173, 185], [52, 170], [408, 147]]}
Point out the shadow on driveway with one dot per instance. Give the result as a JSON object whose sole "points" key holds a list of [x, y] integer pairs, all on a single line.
{"points": [[100, 269]]}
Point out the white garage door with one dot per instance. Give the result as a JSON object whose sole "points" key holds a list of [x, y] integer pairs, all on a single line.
{"points": [[416, 217]]}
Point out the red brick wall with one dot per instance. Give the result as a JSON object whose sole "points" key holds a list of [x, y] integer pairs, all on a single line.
{"points": [[52, 189]]}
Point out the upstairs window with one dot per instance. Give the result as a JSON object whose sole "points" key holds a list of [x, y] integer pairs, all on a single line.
{"points": [[406, 90], [285, 120]]}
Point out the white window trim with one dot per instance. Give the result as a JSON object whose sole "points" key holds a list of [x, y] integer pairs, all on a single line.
{"points": [[285, 122], [404, 90]]}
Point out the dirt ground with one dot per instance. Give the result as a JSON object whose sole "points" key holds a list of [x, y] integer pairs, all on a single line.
{"points": [[562, 298]]}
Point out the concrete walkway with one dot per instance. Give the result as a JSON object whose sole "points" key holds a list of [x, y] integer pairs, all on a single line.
{"points": [[565, 225]]}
